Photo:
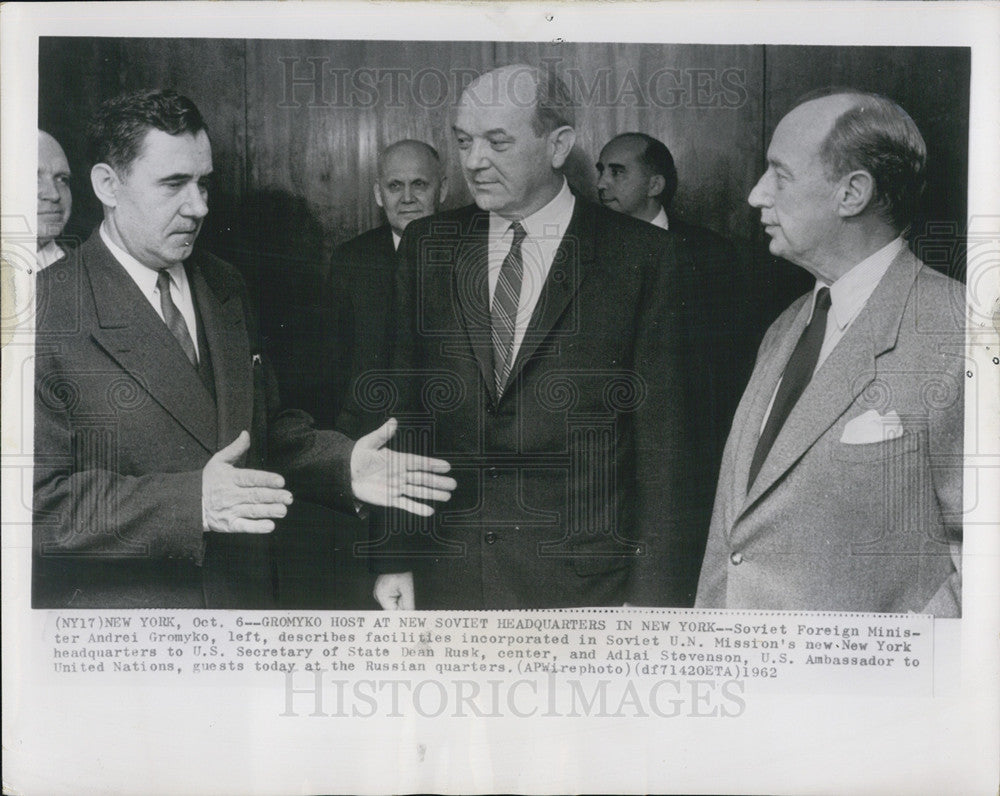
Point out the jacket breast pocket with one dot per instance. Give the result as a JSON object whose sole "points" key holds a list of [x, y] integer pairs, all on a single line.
{"points": [[877, 451]]}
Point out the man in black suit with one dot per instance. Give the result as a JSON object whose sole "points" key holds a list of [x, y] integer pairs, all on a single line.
{"points": [[156, 413], [410, 185], [538, 347], [55, 201], [637, 176]]}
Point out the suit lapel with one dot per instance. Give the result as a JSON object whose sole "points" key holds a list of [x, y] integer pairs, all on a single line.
{"points": [[132, 334], [228, 341], [472, 288], [761, 389], [845, 374], [571, 262]]}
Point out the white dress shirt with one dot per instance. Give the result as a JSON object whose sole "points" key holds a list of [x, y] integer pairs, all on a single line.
{"points": [[848, 296], [145, 279], [48, 254], [660, 219], [544, 232]]}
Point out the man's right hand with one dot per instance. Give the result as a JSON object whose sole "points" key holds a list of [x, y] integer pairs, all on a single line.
{"points": [[394, 591], [234, 500]]}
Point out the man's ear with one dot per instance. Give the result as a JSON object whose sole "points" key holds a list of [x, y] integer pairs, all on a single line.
{"points": [[105, 183], [378, 196], [655, 186], [855, 193], [443, 190], [561, 140]]}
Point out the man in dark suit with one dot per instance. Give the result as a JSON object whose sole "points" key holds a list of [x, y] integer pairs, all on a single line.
{"points": [[841, 484], [355, 320], [637, 176], [156, 412], [410, 185], [55, 201], [538, 346]]}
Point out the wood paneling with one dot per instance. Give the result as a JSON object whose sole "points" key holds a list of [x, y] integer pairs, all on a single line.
{"points": [[703, 101]]}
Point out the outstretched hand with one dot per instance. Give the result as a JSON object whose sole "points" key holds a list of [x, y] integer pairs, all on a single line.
{"points": [[398, 480], [237, 500]]}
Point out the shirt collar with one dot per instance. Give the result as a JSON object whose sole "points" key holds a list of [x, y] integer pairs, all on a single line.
{"points": [[395, 239], [549, 221], [48, 254], [850, 293], [660, 219], [142, 275]]}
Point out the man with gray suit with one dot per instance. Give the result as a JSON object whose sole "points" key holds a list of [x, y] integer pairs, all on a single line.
{"points": [[841, 482], [163, 460]]}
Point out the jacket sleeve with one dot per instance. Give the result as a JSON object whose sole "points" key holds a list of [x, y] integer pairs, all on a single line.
{"points": [[83, 506]]}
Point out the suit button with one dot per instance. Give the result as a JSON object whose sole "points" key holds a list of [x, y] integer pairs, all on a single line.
{"points": [[493, 472], [736, 558], [491, 537]]}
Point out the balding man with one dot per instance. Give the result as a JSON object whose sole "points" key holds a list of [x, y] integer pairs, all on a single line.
{"points": [[537, 344], [637, 176], [410, 185], [841, 484], [54, 199]]}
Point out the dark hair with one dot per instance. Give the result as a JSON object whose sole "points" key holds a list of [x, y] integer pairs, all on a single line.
{"points": [[120, 125], [657, 158], [878, 136]]}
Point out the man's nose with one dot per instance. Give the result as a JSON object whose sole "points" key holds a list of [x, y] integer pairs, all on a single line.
{"points": [[759, 194], [195, 202], [602, 180], [47, 189], [475, 156], [408, 196]]}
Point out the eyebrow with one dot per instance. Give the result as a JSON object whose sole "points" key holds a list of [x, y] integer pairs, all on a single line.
{"points": [[183, 176], [487, 134]]}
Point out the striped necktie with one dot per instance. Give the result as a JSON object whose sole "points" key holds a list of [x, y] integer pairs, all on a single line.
{"points": [[173, 318], [503, 312]]}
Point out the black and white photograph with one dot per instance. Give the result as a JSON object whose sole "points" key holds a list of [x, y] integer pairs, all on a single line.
{"points": [[327, 321]]}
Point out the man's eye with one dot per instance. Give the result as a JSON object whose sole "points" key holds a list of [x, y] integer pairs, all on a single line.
{"points": [[63, 179], [420, 184], [464, 143], [499, 144]]}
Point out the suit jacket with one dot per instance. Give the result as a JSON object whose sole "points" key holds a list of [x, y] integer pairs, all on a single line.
{"points": [[829, 525], [124, 426], [362, 271], [570, 486]]}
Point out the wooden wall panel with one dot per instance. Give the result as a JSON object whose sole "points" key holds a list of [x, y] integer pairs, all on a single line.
{"points": [[318, 142], [704, 102]]}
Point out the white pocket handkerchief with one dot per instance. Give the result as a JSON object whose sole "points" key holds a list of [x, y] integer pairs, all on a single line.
{"points": [[872, 427]]}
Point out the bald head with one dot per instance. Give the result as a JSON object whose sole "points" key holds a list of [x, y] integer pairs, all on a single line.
{"points": [[411, 183], [845, 171], [514, 130], [54, 199]]}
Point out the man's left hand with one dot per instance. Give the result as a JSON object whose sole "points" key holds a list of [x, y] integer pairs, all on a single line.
{"points": [[398, 480]]}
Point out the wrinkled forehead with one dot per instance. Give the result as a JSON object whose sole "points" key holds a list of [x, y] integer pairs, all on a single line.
{"points": [[408, 162], [50, 154], [625, 151]]}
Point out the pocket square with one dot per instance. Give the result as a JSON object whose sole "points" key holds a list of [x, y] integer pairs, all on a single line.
{"points": [[872, 427]]}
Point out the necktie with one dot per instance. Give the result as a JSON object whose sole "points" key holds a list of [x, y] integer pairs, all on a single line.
{"points": [[173, 318], [503, 313], [797, 374]]}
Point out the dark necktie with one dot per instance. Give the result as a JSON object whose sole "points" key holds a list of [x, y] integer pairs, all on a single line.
{"points": [[797, 374], [173, 318], [503, 313]]}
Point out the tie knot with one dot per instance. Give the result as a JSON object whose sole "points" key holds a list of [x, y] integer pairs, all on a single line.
{"points": [[823, 299], [519, 233], [162, 280]]}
